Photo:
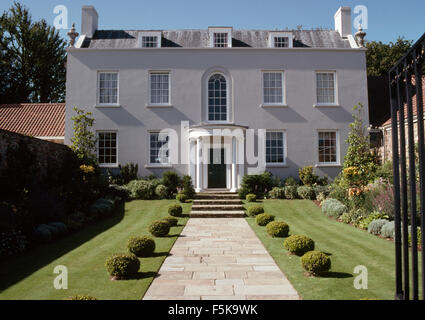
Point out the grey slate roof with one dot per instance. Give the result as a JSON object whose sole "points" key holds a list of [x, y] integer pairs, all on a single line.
{"points": [[115, 39]]}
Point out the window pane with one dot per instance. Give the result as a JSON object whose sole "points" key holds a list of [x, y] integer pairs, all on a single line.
{"points": [[325, 83], [107, 147], [108, 87], [274, 147], [159, 148], [327, 147], [273, 87], [217, 101], [159, 88]]}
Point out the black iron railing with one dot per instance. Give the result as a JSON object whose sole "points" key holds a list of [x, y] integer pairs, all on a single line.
{"points": [[407, 183]]}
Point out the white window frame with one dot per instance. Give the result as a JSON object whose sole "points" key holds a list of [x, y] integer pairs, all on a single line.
{"points": [[98, 103], [107, 165], [227, 98], [150, 103], [338, 149], [213, 30], [273, 104], [154, 164], [326, 104], [282, 34], [285, 149], [156, 34]]}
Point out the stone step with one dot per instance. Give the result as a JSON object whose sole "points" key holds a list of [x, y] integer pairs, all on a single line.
{"points": [[217, 207], [216, 196], [217, 214], [217, 201]]}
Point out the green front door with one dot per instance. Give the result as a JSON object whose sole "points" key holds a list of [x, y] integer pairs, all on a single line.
{"points": [[217, 169]]}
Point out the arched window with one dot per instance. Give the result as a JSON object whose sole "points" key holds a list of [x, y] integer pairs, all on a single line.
{"points": [[217, 98]]}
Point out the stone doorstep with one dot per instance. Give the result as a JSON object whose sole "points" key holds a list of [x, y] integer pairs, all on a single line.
{"points": [[217, 207], [217, 214], [216, 201]]}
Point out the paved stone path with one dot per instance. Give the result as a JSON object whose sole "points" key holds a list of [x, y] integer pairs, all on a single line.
{"points": [[219, 258]]}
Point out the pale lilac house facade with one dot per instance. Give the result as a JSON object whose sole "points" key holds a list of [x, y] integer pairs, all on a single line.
{"points": [[210, 92]]}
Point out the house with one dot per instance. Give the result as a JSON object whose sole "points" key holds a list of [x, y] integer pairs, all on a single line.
{"points": [[40, 120], [386, 128], [218, 103]]}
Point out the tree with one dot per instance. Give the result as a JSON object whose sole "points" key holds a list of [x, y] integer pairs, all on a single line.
{"points": [[381, 57], [32, 59], [358, 158], [84, 140]]}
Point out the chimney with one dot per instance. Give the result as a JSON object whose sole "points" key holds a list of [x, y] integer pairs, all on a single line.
{"points": [[343, 21], [89, 20]]}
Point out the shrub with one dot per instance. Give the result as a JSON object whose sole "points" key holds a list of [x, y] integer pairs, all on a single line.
{"points": [[127, 173], [75, 221], [171, 180], [251, 197], [12, 242], [277, 229], [171, 221], [159, 228], [42, 233], [277, 193], [81, 297], [258, 184], [161, 191], [306, 192], [333, 208], [375, 226], [263, 219], [364, 223], [175, 210], [307, 176], [298, 244], [119, 191], [122, 265], [291, 181], [141, 246], [321, 189], [418, 236], [255, 210], [63, 229], [55, 232], [188, 188], [142, 189], [387, 230], [320, 197], [181, 197], [316, 262], [291, 192], [102, 207]]}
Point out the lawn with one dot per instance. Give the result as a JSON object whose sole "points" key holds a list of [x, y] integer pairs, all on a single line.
{"points": [[347, 246], [30, 275]]}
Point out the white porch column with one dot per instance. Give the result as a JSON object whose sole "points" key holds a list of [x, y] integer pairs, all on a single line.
{"points": [[198, 165], [241, 161], [192, 160], [234, 182]]}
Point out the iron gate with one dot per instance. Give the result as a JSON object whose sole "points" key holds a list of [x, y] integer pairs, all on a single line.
{"points": [[408, 167]]}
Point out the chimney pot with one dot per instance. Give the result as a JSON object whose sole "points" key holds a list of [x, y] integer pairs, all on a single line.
{"points": [[89, 21], [343, 21]]}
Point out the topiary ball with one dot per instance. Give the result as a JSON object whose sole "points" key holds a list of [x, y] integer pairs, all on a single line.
{"points": [[171, 221], [316, 262], [141, 246], [159, 228], [181, 197], [263, 219], [122, 265], [255, 210], [298, 244], [387, 230], [161, 191], [251, 197], [175, 210], [278, 229]]}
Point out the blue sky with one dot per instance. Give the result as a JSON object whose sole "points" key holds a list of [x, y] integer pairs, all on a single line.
{"points": [[387, 19]]}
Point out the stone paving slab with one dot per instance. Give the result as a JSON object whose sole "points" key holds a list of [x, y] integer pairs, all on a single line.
{"points": [[223, 259]]}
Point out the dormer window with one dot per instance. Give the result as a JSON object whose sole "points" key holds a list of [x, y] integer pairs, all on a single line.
{"points": [[151, 39], [281, 42], [220, 37], [278, 39]]}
